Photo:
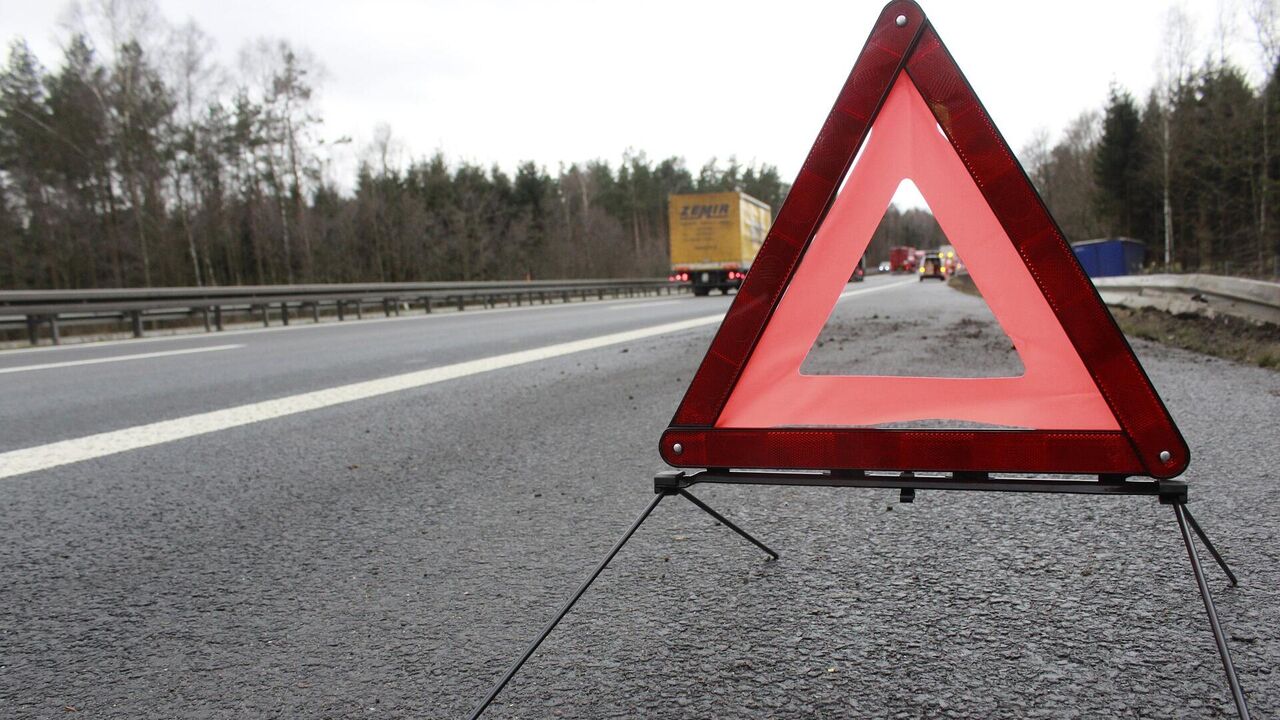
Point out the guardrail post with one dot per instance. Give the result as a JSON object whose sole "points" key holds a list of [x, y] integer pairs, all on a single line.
{"points": [[53, 330], [135, 320], [33, 329], [284, 313], [266, 315], [462, 303], [386, 308], [217, 317], [341, 307], [359, 309], [204, 314], [426, 304]]}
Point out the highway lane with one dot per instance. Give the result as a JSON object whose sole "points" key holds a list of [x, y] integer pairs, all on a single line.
{"points": [[117, 386], [59, 403], [391, 555]]}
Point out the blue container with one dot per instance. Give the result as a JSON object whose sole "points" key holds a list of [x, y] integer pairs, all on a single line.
{"points": [[1109, 257]]}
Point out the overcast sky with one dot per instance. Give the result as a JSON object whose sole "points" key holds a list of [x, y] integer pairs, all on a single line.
{"points": [[559, 81]]}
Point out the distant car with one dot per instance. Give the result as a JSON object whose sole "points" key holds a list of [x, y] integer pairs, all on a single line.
{"points": [[931, 267], [884, 267]]}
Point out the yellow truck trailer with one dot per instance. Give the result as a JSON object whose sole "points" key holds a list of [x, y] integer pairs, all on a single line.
{"points": [[715, 237]]}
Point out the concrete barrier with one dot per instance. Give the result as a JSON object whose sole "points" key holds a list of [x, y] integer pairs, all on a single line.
{"points": [[1196, 293]]}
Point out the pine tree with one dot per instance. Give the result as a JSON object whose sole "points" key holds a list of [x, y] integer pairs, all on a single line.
{"points": [[1119, 165]]}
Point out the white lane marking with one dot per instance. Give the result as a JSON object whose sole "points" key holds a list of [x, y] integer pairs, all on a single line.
{"points": [[43, 457], [332, 323], [644, 305], [878, 288], [115, 358]]}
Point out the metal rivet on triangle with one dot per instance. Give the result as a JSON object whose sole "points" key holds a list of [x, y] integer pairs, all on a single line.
{"points": [[902, 21], [677, 448], [1165, 455]]}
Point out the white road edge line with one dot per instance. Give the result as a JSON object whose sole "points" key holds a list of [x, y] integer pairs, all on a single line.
{"points": [[44, 457], [65, 452], [115, 358]]}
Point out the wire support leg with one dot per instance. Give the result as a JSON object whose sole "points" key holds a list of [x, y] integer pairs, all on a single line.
{"points": [[1212, 550], [725, 521], [1180, 511], [564, 609]]}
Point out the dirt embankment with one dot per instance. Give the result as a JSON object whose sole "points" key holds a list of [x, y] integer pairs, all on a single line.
{"points": [[1225, 336]]}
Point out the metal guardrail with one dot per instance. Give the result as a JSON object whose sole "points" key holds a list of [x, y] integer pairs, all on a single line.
{"points": [[1196, 293], [34, 309]]}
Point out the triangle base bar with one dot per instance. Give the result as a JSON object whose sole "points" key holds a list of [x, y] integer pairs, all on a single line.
{"points": [[671, 483], [1009, 451]]}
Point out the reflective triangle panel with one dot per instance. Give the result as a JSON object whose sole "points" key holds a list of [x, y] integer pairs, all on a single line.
{"points": [[1083, 404], [1056, 391]]}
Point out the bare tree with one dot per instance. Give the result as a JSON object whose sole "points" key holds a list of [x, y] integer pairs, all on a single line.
{"points": [[195, 79], [1173, 69], [110, 25], [285, 79]]}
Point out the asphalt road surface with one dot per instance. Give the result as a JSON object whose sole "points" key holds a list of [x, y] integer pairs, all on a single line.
{"points": [[373, 519]]}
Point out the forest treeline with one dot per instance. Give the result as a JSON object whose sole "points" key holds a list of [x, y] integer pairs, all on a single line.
{"points": [[1191, 169], [1195, 177], [140, 161]]}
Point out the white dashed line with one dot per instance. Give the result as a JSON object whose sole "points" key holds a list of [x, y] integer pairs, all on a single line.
{"points": [[114, 358]]}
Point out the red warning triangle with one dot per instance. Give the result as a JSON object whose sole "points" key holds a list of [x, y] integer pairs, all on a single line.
{"points": [[1083, 404]]}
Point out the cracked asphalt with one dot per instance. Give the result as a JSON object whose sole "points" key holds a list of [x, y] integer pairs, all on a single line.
{"points": [[391, 556]]}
